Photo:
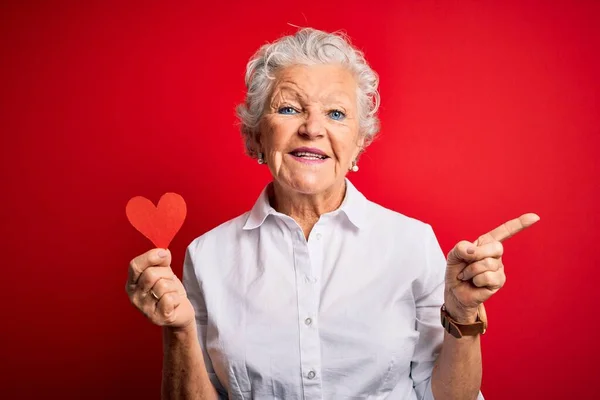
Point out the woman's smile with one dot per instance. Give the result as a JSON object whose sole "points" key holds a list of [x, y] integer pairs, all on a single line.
{"points": [[309, 155]]}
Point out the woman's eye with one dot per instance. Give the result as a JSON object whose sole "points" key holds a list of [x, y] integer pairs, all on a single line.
{"points": [[337, 115], [286, 110]]}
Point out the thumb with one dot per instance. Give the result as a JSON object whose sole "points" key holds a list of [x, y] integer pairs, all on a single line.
{"points": [[463, 252], [159, 257]]}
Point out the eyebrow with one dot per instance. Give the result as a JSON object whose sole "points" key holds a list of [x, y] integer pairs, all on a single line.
{"points": [[338, 94], [288, 90]]}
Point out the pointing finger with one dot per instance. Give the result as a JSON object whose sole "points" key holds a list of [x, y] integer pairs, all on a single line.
{"points": [[509, 229]]}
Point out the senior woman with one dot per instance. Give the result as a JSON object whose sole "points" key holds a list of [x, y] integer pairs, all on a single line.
{"points": [[317, 292]]}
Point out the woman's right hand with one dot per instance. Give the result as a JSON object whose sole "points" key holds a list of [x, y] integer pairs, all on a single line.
{"points": [[156, 291]]}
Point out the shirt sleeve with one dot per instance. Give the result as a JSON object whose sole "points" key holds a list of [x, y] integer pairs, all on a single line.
{"points": [[428, 303], [194, 293]]}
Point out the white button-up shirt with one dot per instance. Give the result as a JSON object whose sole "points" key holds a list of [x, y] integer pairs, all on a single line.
{"points": [[351, 313]]}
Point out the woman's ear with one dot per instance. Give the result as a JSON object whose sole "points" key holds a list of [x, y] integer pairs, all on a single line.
{"points": [[256, 143], [360, 146], [361, 141]]}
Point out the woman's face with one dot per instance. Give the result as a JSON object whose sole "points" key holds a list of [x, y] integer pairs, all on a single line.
{"points": [[310, 130]]}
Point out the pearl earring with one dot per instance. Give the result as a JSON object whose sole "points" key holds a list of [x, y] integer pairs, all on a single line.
{"points": [[261, 159], [354, 166]]}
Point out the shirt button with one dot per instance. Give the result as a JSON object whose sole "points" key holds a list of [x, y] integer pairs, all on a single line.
{"points": [[311, 279], [319, 236], [308, 321], [311, 375]]}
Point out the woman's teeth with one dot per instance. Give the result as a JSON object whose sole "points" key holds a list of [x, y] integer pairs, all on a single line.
{"points": [[310, 156]]}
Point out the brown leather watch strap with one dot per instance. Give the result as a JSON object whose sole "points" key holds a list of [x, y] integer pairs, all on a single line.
{"points": [[459, 330]]}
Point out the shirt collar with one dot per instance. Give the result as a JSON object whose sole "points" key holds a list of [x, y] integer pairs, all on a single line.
{"points": [[353, 206], [260, 211]]}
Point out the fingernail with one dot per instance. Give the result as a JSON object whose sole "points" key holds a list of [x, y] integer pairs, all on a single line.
{"points": [[162, 253], [470, 250], [461, 276]]}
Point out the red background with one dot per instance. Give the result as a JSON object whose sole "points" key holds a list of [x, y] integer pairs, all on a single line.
{"points": [[489, 110]]}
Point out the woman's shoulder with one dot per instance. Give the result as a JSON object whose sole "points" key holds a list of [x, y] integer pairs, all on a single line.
{"points": [[395, 221]]}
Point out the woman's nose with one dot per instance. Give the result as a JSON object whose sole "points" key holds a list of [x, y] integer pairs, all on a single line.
{"points": [[313, 125]]}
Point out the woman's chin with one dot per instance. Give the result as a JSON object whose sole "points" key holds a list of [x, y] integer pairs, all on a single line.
{"points": [[308, 183]]}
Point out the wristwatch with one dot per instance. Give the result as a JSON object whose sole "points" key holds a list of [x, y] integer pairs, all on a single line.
{"points": [[459, 330]]}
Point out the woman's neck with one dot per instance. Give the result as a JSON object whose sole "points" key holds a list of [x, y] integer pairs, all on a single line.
{"points": [[306, 209]]}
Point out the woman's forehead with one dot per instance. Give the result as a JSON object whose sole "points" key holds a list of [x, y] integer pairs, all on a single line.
{"points": [[315, 81]]}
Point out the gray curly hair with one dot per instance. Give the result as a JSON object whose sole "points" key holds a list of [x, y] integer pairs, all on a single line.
{"points": [[308, 46]]}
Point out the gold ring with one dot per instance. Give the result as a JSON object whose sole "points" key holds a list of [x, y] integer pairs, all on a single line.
{"points": [[154, 295]]}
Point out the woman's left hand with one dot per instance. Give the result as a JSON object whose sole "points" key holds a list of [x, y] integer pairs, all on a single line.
{"points": [[475, 271]]}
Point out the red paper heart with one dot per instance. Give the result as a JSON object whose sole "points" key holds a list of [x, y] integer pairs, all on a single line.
{"points": [[160, 223]]}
